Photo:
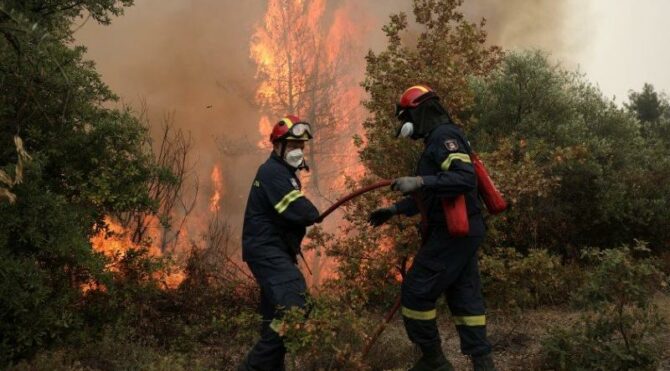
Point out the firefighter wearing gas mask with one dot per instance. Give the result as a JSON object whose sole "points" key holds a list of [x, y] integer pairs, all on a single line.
{"points": [[444, 264], [275, 222]]}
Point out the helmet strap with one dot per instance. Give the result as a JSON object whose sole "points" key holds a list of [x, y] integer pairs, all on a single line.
{"points": [[304, 166], [282, 150]]}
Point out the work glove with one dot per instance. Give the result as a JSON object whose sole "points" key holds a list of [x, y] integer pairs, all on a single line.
{"points": [[407, 184], [381, 216]]}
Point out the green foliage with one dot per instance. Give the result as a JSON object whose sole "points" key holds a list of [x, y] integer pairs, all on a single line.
{"points": [[331, 336], [592, 182], [512, 281], [45, 252], [649, 106], [88, 162], [136, 323], [620, 328]]}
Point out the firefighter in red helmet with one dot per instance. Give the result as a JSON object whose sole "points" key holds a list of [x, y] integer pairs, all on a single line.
{"points": [[445, 263], [275, 222]]}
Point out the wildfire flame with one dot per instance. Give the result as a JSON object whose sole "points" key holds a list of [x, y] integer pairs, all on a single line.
{"points": [[116, 242], [217, 184]]}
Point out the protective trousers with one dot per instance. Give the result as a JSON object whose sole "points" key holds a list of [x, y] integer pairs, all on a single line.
{"points": [[445, 265], [282, 287]]}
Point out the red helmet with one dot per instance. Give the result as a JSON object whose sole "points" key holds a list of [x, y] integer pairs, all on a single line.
{"points": [[291, 128], [414, 96]]}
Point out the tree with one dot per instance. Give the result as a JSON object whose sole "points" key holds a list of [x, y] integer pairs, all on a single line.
{"points": [[647, 105], [591, 178], [446, 52], [88, 162], [299, 74], [653, 111]]}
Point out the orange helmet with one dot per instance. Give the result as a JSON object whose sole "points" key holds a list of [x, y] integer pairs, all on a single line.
{"points": [[291, 128]]}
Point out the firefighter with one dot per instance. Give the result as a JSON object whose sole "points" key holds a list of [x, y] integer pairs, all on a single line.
{"points": [[275, 222], [444, 264]]}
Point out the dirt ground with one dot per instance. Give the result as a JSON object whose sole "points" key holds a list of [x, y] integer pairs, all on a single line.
{"points": [[516, 340]]}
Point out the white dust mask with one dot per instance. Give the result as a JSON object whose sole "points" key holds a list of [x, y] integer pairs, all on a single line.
{"points": [[294, 157]]}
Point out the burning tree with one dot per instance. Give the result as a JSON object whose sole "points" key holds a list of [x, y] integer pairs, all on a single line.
{"points": [[305, 66], [302, 69]]}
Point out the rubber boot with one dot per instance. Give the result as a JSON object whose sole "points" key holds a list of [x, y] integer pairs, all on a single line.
{"points": [[432, 360], [483, 363]]}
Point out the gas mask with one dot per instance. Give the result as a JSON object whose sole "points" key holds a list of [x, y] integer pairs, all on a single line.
{"points": [[295, 158], [406, 130]]}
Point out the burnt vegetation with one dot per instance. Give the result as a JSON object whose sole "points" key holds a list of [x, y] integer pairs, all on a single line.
{"points": [[585, 244]]}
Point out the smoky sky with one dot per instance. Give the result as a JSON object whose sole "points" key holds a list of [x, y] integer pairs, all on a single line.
{"points": [[191, 58]]}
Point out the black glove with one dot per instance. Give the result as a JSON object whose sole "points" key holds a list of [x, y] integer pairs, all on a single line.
{"points": [[381, 216], [407, 184]]}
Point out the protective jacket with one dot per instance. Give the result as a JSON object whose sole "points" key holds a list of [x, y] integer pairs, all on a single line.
{"points": [[445, 265], [447, 171], [277, 213]]}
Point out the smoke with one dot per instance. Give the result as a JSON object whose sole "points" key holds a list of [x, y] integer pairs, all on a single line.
{"points": [[192, 58], [538, 24]]}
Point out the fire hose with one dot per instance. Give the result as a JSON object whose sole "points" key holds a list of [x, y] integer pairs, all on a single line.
{"points": [[352, 195], [389, 316]]}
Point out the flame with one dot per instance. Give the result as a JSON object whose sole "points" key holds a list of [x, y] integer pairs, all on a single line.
{"points": [[217, 184], [115, 243]]}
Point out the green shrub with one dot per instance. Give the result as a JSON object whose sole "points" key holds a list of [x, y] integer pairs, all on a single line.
{"points": [[331, 337], [117, 348], [618, 330], [513, 281]]}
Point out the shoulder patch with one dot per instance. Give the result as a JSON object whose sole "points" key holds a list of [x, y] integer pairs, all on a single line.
{"points": [[257, 183], [451, 145], [295, 184]]}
